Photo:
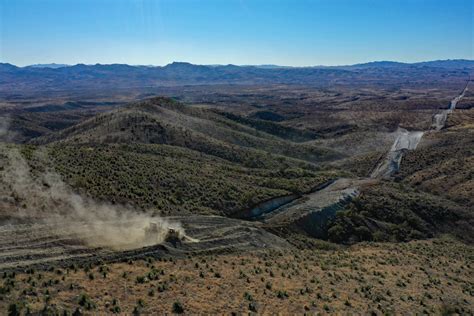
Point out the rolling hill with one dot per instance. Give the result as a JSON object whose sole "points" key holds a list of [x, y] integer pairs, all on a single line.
{"points": [[162, 155], [165, 121]]}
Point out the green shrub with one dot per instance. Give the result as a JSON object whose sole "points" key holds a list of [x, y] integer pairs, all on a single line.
{"points": [[86, 302], [177, 308], [14, 309]]}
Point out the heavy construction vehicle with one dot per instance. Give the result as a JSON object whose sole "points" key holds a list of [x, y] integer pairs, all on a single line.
{"points": [[154, 234]]}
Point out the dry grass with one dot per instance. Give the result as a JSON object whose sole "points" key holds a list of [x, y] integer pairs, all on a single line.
{"points": [[431, 276]]}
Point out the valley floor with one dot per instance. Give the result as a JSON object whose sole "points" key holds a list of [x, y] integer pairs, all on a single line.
{"points": [[433, 276]]}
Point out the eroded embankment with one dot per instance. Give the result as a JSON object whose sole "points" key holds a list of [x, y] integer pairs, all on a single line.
{"points": [[260, 210], [312, 212], [309, 212]]}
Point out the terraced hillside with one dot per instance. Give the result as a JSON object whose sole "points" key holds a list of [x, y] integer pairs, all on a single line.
{"points": [[38, 245]]}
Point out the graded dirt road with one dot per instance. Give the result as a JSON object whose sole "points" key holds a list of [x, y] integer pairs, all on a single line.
{"points": [[439, 120], [405, 141], [41, 245]]}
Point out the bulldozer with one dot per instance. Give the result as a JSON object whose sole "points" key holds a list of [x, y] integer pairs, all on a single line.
{"points": [[153, 234]]}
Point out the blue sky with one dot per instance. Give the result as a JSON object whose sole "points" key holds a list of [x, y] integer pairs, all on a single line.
{"points": [[284, 32]]}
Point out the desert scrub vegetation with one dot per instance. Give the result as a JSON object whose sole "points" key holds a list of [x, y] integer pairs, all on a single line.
{"points": [[445, 166], [271, 127], [416, 277], [164, 121], [362, 165], [397, 212], [169, 179]]}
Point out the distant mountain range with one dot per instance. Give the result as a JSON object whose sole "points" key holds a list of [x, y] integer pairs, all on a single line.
{"points": [[63, 77], [449, 63], [53, 65]]}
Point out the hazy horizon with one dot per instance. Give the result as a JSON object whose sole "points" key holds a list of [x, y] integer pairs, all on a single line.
{"points": [[303, 33], [45, 65]]}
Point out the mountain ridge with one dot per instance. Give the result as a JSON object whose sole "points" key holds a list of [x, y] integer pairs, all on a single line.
{"points": [[15, 79], [446, 62]]}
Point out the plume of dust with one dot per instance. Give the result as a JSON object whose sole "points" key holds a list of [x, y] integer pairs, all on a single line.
{"points": [[4, 128], [44, 197]]}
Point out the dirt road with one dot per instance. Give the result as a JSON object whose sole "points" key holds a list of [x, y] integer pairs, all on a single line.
{"points": [[405, 140], [312, 211], [409, 140], [41, 246], [439, 120]]}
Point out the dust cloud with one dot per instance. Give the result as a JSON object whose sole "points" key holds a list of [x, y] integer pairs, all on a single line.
{"points": [[5, 134], [43, 197]]}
